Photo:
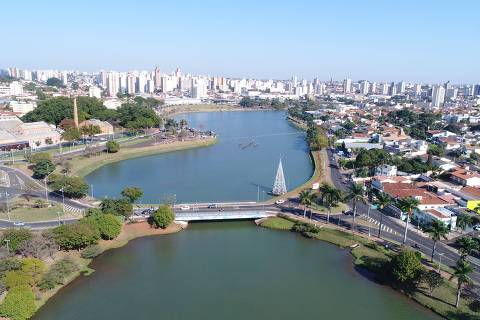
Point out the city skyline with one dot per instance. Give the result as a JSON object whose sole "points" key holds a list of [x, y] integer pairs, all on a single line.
{"points": [[374, 41]]}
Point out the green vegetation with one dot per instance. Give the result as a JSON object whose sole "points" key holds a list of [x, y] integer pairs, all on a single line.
{"points": [[75, 236], [248, 102], [108, 225], [55, 82], [72, 186], [415, 124], [119, 207], [92, 251], [43, 168], [112, 146], [19, 303], [15, 238], [57, 274], [437, 231], [277, 223], [132, 194], [163, 216]]}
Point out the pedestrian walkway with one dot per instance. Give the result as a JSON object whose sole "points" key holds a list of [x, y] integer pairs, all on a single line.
{"points": [[72, 209], [377, 223]]}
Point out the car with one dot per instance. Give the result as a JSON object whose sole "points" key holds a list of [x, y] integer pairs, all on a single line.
{"points": [[212, 206], [19, 224], [476, 228], [280, 201], [148, 212], [184, 207], [348, 213]]}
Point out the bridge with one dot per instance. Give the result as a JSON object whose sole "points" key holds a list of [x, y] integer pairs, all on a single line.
{"points": [[222, 215]]}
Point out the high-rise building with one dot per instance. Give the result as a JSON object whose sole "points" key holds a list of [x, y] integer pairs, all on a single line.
{"points": [[157, 78], [418, 89], [476, 90], [373, 88], [131, 83], [112, 83], [347, 85], [364, 86], [401, 87], [438, 96], [95, 91], [451, 93], [385, 89], [392, 90]]}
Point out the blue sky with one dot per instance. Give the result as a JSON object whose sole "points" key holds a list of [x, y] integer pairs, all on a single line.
{"points": [[422, 40]]}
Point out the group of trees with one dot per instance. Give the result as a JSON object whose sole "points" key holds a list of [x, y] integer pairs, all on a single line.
{"points": [[248, 102], [72, 186], [316, 137], [415, 124]]}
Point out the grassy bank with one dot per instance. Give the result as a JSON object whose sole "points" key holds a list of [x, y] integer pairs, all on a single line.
{"points": [[82, 166], [189, 108], [369, 254]]}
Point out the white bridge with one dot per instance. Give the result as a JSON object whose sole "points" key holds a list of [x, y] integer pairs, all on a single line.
{"points": [[222, 215]]}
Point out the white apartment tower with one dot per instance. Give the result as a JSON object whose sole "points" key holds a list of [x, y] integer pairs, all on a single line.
{"points": [[347, 85], [438, 96]]}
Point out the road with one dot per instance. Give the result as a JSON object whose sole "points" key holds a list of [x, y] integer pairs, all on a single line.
{"points": [[448, 255]]}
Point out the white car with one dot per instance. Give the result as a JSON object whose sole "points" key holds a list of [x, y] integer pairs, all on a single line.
{"points": [[280, 201], [184, 207], [19, 224]]}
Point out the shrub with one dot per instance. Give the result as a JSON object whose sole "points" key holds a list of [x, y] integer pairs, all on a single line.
{"points": [[107, 225], [57, 274], [120, 207], [34, 268], [305, 228], [73, 187], [9, 264], [406, 267], [36, 157], [43, 168], [112, 146], [19, 303], [92, 251], [75, 236], [17, 278], [163, 216], [16, 237]]}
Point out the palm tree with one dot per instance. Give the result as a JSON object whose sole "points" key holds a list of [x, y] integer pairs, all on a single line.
{"points": [[462, 271], [407, 205], [437, 230], [323, 190], [306, 198], [382, 201], [356, 194], [331, 199], [467, 246], [464, 221]]}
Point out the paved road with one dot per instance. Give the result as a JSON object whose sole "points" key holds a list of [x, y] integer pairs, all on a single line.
{"points": [[449, 256]]}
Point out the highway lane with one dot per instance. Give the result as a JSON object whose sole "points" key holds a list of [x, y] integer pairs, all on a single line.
{"points": [[448, 255]]}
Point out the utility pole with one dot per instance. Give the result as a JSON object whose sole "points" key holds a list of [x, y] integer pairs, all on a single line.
{"points": [[7, 243], [46, 190], [91, 188], [8, 207], [368, 219]]}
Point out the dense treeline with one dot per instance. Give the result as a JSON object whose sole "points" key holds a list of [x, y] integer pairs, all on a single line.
{"points": [[414, 124]]}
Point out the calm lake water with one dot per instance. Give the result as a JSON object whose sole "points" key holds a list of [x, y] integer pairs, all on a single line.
{"points": [[222, 172], [230, 270]]}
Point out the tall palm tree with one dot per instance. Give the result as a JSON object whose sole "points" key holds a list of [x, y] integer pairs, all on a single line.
{"points": [[331, 199], [323, 190], [464, 221], [467, 246], [306, 198], [437, 230], [383, 200], [462, 272], [407, 205], [356, 194]]}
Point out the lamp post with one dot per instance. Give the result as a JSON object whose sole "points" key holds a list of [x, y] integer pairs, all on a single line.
{"points": [[91, 189], [7, 242], [8, 207], [58, 215], [63, 199], [440, 261]]}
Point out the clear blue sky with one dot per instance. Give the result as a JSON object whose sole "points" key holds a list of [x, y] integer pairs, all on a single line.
{"points": [[417, 40]]}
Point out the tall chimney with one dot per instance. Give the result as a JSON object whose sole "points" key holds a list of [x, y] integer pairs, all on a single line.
{"points": [[75, 112]]}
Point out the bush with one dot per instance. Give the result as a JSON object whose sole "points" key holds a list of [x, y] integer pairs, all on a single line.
{"points": [[406, 268], [36, 157], [34, 268], [73, 187], [43, 168], [75, 236], [19, 303], [163, 216], [17, 278], [57, 274], [9, 264], [92, 251], [305, 228], [120, 207], [112, 146], [15, 238], [108, 225]]}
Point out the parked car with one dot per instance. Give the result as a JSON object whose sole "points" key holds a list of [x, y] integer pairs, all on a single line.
{"points": [[184, 207], [212, 206], [280, 201], [19, 224]]}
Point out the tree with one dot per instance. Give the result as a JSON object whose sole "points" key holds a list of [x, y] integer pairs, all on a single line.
{"points": [[39, 246], [19, 303], [117, 207], [383, 200], [90, 130], [34, 268], [405, 267], [437, 230], [73, 187], [36, 157], [432, 279], [55, 82], [467, 246], [112, 146], [75, 236], [108, 225], [436, 150], [464, 221], [132, 193], [331, 198], [356, 194], [306, 198], [163, 216], [15, 238], [462, 272], [71, 134], [407, 205], [43, 168]]}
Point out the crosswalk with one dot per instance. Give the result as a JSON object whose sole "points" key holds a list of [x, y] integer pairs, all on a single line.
{"points": [[73, 209], [377, 223]]}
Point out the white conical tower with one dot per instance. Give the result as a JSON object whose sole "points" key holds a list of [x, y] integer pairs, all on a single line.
{"points": [[279, 186]]}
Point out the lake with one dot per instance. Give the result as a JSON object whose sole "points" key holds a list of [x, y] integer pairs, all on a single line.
{"points": [[228, 270], [241, 166]]}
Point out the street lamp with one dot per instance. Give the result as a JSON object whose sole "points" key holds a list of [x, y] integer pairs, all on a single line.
{"points": [[63, 199], [91, 188], [440, 261], [7, 242], [58, 215], [8, 207]]}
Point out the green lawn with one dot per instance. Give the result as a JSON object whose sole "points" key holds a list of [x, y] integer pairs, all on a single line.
{"points": [[277, 223], [37, 214]]}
